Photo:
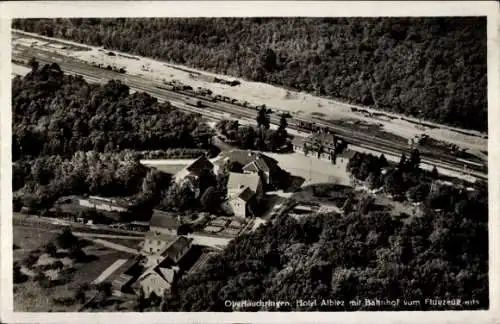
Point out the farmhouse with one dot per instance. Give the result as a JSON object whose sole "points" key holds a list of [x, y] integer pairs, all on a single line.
{"points": [[162, 258], [156, 280], [163, 223], [157, 248], [155, 243], [251, 162]]}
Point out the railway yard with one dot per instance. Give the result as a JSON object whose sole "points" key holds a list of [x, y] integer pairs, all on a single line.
{"points": [[215, 107]]}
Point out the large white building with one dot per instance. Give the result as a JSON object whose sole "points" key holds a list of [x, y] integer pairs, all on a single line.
{"points": [[243, 190]]}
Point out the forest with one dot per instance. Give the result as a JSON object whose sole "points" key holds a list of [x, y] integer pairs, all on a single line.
{"points": [[432, 68], [70, 137], [58, 114], [366, 252]]}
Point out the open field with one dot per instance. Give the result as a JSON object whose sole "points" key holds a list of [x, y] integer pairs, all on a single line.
{"points": [[259, 93], [30, 297]]}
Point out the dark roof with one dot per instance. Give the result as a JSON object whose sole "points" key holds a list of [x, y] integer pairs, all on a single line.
{"points": [[246, 194], [119, 275], [199, 164], [244, 157], [163, 220], [121, 280], [176, 246]]}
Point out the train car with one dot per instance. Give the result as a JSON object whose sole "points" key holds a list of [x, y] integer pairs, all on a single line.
{"points": [[471, 163], [194, 102], [211, 98], [168, 87], [138, 226]]}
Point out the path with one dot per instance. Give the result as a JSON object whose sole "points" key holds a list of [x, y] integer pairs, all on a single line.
{"points": [[215, 242], [110, 236], [109, 271], [115, 246]]}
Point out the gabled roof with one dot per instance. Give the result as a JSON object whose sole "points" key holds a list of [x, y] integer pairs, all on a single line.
{"points": [[167, 273], [252, 167], [180, 243], [163, 220], [154, 271], [239, 181], [199, 164], [244, 157]]}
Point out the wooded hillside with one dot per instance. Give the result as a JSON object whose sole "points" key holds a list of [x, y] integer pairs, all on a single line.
{"points": [[432, 68]]}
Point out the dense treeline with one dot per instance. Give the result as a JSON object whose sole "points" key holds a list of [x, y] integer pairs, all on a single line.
{"points": [[361, 254], [58, 114], [40, 182], [432, 68]]}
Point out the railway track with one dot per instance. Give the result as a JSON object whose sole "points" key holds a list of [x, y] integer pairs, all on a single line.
{"points": [[211, 109]]}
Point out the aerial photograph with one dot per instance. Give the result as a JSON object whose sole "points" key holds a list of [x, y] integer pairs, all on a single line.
{"points": [[288, 164]]}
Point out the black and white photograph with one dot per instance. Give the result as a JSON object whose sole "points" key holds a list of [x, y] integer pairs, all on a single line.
{"points": [[264, 164]]}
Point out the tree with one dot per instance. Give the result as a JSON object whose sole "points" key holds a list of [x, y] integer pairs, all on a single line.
{"points": [[268, 60], [80, 296], [17, 204], [210, 200], [373, 180], [393, 183], [305, 148], [184, 229], [18, 276], [263, 118], [414, 161], [434, 173], [246, 136], [383, 161], [282, 134], [33, 64], [179, 198], [51, 249], [419, 192], [206, 179], [104, 291], [402, 162], [283, 123], [66, 239]]}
